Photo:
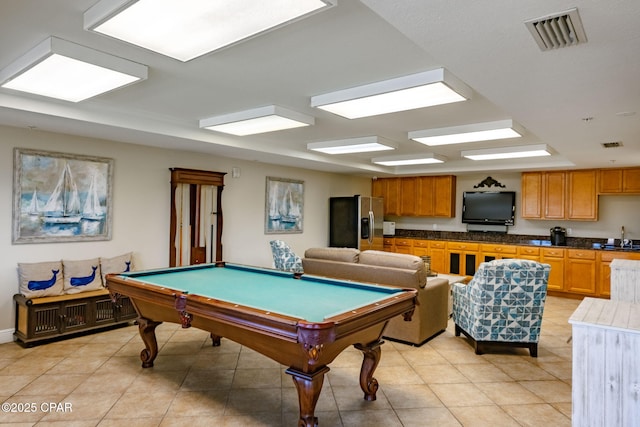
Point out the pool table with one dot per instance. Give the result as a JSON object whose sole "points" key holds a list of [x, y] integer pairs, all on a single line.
{"points": [[301, 321]]}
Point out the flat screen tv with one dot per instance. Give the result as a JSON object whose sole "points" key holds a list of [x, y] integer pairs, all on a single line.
{"points": [[488, 207]]}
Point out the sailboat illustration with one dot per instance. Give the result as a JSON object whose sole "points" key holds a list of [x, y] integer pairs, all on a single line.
{"points": [[63, 206], [34, 208], [274, 212], [92, 209], [291, 210]]}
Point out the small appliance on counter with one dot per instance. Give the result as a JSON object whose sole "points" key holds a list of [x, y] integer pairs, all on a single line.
{"points": [[389, 228], [558, 236]]}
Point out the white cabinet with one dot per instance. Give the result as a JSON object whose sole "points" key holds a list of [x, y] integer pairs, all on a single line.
{"points": [[606, 372]]}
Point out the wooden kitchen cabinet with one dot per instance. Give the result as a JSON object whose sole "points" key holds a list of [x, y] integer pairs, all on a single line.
{"points": [[529, 252], [463, 258], [490, 251], [428, 196], [436, 196], [559, 195], [444, 196], [409, 196], [580, 272], [619, 181], [604, 268], [554, 195], [403, 245], [390, 190], [610, 181], [420, 247], [582, 200], [388, 244], [555, 258], [543, 195], [438, 254]]}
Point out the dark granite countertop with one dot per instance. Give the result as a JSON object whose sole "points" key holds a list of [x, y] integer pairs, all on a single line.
{"points": [[511, 239]]}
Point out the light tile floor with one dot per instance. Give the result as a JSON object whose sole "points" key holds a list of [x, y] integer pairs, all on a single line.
{"points": [[443, 383]]}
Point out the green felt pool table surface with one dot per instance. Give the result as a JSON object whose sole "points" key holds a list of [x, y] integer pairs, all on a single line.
{"points": [[310, 298]]}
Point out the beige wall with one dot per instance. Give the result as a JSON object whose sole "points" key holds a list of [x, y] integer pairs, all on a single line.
{"points": [[141, 207]]}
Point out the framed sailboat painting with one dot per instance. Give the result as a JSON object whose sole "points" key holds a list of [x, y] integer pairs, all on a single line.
{"points": [[60, 197], [284, 206]]}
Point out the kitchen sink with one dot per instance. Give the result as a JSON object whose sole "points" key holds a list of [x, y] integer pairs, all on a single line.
{"points": [[618, 248]]}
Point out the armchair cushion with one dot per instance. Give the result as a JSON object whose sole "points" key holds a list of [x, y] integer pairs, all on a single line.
{"points": [[284, 258]]}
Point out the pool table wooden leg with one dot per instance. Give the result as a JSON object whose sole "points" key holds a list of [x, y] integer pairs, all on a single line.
{"points": [[372, 353], [215, 340], [147, 329], [309, 387]]}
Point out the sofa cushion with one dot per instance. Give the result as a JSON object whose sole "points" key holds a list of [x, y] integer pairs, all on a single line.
{"points": [[333, 254], [81, 276], [40, 279], [394, 260], [390, 259]]}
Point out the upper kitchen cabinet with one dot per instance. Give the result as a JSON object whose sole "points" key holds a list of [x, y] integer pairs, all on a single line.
{"points": [[582, 198], [619, 181], [543, 195], [560, 195], [408, 196], [390, 190], [426, 196]]}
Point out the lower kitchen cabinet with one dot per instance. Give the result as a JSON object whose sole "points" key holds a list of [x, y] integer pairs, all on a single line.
{"points": [[555, 258], [489, 252], [463, 258], [604, 267], [580, 272]]}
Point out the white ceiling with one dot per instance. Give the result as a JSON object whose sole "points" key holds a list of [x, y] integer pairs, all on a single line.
{"points": [[485, 43]]}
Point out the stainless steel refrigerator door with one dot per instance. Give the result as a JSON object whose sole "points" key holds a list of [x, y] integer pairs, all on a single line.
{"points": [[370, 223]]}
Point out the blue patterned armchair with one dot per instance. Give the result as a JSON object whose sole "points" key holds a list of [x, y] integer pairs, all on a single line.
{"points": [[502, 304], [284, 258]]}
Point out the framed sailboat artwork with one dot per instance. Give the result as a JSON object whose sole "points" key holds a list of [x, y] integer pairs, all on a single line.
{"points": [[284, 206], [60, 197]]}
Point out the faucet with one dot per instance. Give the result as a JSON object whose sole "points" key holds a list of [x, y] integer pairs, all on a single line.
{"points": [[622, 237]]}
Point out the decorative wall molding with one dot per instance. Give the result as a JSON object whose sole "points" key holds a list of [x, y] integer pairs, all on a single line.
{"points": [[489, 182]]}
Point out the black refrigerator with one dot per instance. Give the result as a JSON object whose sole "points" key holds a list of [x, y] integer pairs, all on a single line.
{"points": [[356, 222]]}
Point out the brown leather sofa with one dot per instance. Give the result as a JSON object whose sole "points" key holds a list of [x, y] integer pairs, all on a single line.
{"points": [[408, 271]]}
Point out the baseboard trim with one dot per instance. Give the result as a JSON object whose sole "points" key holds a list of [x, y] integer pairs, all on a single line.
{"points": [[6, 336]]}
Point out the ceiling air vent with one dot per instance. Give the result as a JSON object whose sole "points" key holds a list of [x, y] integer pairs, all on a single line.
{"points": [[612, 144], [558, 30]]}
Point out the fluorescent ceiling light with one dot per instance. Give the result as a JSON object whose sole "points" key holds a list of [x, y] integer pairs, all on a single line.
{"points": [[413, 159], [60, 69], [419, 90], [488, 131], [187, 29], [507, 152], [257, 120], [352, 145]]}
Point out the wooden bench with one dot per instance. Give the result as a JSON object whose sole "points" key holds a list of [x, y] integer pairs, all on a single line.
{"points": [[47, 318]]}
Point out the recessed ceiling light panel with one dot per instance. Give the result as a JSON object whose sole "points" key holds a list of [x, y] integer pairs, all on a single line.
{"points": [[426, 89], [407, 160], [363, 144], [60, 69], [187, 29], [257, 120], [489, 131], [522, 151]]}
